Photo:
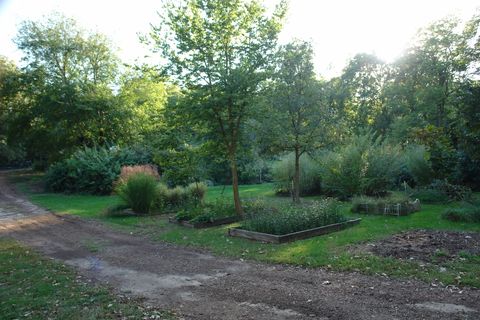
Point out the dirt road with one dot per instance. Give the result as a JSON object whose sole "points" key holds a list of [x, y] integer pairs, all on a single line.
{"points": [[202, 286]]}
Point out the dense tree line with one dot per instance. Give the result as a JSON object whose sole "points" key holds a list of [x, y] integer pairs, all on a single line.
{"points": [[229, 99]]}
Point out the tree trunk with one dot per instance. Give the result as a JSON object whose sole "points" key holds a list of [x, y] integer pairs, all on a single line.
{"points": [[236, 194], [296, 177]]}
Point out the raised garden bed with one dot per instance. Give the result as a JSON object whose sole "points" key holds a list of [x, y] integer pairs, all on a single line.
{"points": [[304, 234], [398, 209], [202, 224]]}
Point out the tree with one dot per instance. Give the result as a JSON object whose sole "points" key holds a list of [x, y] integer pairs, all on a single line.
{"points": [[68, 78], [144, 97], [362, 81], [9, 100], [299, 114], [220, 52]]}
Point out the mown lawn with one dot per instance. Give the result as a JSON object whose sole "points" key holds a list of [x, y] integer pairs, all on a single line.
{"points": [[330, 251], [32, 287]]}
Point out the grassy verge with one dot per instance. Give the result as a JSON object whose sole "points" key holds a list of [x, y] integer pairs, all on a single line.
{"points": [[331, 251], [33, 287]]}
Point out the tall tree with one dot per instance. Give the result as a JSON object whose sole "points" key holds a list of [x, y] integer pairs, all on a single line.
{"points": [[362, 82], [68, 78], [299, 115], [220, 52]]}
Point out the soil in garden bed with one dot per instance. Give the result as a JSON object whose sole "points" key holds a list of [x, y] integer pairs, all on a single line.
{"points": [[426, 245]]}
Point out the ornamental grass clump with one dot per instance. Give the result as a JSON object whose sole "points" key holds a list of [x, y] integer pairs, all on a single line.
{"points": [[139, 192], [288, 218]]}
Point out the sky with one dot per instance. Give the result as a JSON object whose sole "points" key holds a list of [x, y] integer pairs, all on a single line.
{"points": [[338, 29]]}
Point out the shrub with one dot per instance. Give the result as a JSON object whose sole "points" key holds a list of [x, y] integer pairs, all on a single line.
{"points": [[418, 165], [366, 165], [196, 191], [90, 170], [452, 191], [128, 171], [139, 192], [290, 218], [283, 172], [466, 213], [176, 197]]}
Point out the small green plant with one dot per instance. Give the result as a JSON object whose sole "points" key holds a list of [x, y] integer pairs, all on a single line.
{"points": [[289, 218], [139, 192]]}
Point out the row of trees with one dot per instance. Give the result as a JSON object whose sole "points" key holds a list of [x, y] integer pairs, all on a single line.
{"points": [[229, 95]]}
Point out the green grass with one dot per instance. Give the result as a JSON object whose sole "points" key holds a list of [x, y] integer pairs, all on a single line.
{"points": [[246, 191], [330, 251], [33, 287]]}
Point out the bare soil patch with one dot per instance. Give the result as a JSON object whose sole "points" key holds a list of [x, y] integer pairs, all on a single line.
{"points": [[427, 245]]}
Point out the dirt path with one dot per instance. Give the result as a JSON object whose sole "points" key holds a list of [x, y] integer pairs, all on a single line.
{"points": [[201, 286]]}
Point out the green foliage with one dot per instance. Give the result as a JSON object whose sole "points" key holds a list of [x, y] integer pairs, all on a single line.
{"points": [[366, 165], [418, 165], [290, 218], [442, 155], [139, 192], [197, 191], [92, 170], [426, 195], [441, 191], [222, 51], [180, 198], [220, 208], [298, 118], [64, 97], [284, 170], [465, 213]]}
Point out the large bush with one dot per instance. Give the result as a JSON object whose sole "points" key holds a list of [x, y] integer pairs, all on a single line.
{"points": [[366, 165], [92, 170], [139, 192], [418, 165], [284, 170]]}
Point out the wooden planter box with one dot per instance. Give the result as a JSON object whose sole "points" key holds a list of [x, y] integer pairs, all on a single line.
{"points": [[299, 235], [201, 225], [399, 209]]}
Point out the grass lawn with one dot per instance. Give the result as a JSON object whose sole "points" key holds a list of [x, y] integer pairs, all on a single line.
{"points": [[331, 251], [32, 287]]}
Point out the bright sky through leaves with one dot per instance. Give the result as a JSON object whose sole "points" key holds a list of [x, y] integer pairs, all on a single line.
{"points": [[338, 29]]}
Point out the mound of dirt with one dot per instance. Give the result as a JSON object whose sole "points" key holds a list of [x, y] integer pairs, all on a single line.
{"points": [[425, 245]]}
